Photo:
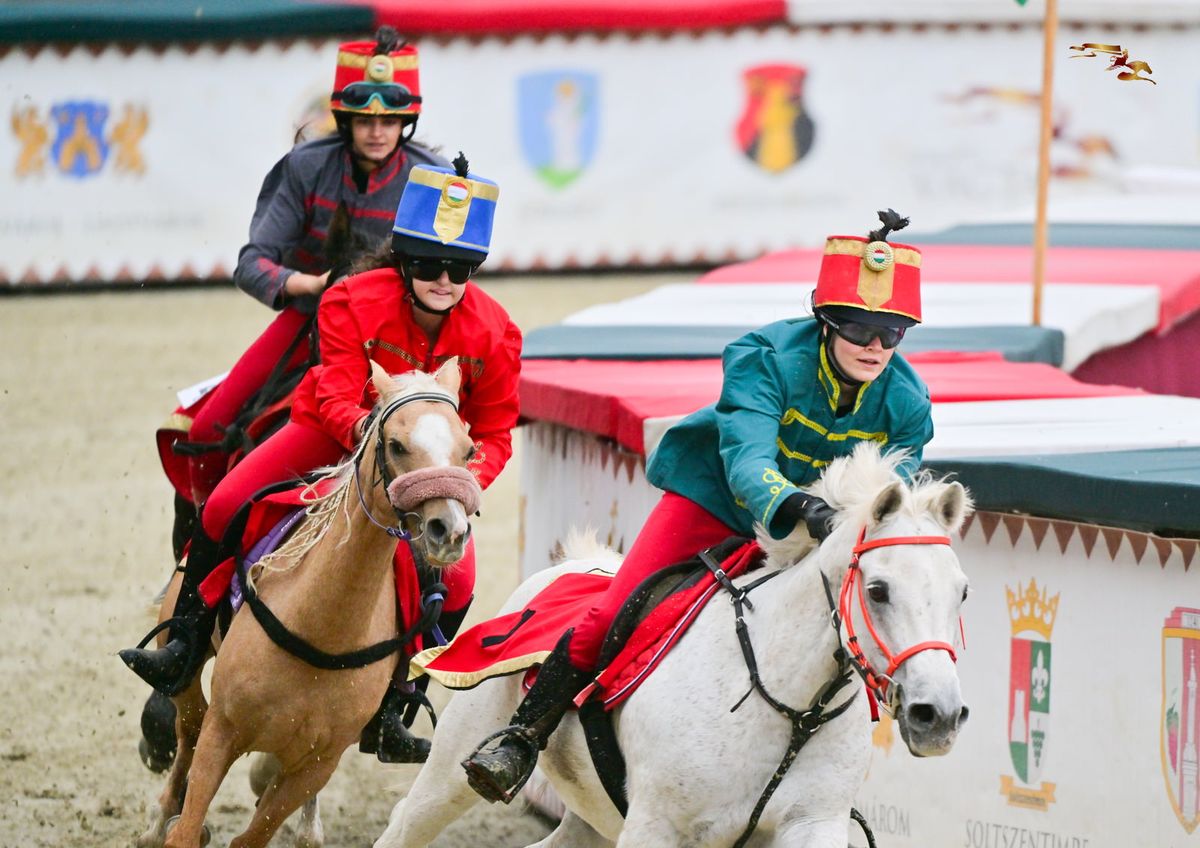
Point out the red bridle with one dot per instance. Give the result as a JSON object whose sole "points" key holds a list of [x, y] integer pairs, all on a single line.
{"points": [[878, 683]]}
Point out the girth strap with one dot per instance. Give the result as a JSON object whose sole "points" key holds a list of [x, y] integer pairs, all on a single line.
{"points": [[314, 656]]}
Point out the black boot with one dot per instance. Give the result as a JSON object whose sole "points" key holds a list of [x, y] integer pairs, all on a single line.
{"points": [[499, 767], [170, 669], [158, 744], [387, 735]]}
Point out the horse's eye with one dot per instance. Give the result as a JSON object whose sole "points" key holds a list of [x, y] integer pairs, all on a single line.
{"points": [[878, 593], [395, 447], [966, 591], [470, 453]]}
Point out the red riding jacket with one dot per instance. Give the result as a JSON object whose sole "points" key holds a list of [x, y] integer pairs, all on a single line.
{"points": [[368, 317]]}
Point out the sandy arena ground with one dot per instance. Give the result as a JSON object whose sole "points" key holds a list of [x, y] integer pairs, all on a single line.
{"points": [[84, 381]]}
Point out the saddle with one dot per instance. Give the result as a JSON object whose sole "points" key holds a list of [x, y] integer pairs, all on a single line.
{"points": [[262, 415], [650, 623]]}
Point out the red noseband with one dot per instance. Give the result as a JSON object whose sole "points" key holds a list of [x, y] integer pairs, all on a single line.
{"points": [[852, 584]]}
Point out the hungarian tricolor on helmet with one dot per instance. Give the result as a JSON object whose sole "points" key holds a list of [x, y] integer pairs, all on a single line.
{"points": [[445, 213], [870, 280], [377, 77]]}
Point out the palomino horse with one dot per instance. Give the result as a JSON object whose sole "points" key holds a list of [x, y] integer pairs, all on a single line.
{"points": [[696, 772], [333, 586]]}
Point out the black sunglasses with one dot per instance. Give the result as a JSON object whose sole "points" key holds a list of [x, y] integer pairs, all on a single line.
{"points": [[863, 334], [390, 95], [458, 270]]}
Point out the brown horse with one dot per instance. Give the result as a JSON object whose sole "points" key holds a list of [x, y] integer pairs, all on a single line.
{"points": [[331, 585]]}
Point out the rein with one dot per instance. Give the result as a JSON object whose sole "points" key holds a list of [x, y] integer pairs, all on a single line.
{"points": [[432, 597], [805, 723]]}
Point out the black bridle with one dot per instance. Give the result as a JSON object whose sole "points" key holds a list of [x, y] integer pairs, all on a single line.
{"points": [[383, 473], [432, 597], [805, 723]]}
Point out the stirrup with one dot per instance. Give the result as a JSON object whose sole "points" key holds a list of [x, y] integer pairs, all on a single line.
{"points": [[484, 781]]}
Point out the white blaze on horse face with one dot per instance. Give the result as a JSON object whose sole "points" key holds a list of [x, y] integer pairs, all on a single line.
{"points": [[432, 436]]}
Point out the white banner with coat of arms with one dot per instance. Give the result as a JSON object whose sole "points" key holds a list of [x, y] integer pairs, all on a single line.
{"points": [[608, 150]]}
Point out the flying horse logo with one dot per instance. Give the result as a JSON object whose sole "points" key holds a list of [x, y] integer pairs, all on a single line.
{"points": [[1031, 615], [1180, 731], [81, 147], [774, 130]]}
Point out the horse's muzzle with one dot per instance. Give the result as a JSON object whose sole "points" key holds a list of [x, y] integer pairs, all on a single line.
{"points": [[410, 490], [930, 729]]}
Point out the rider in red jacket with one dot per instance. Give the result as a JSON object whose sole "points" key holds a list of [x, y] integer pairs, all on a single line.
{"points": [[288, 260], [417, 313]]}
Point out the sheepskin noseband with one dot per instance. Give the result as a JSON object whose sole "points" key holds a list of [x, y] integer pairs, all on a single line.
{"points": [[408, 491]]}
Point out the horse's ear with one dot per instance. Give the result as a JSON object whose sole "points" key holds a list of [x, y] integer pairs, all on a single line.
{"points": [[952, 506], [383, 383], [449, 376], [888, 502]]}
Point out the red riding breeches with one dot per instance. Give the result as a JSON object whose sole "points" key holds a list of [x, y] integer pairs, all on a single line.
{"points": [[245, 378], [676, 530]]}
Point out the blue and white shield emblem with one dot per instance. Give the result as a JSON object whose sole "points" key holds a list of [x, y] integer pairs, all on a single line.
{"points": [[79, 149], [558, 116]]}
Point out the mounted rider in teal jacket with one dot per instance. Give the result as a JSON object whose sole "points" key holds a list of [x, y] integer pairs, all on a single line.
{"points": [[795, 395]]}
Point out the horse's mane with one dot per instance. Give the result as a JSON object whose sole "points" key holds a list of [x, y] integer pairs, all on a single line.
{"points": [[850, 485], [321, 509]]}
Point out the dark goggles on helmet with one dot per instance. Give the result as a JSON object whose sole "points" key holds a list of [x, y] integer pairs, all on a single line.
{"points": [[863, 334], [358, 95], [458, 270]]}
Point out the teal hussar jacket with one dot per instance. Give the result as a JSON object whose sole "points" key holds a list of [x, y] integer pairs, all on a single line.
{"points": [[776, 427]]}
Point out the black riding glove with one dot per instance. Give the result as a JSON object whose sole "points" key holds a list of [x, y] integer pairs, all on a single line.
{"points": [[814, 512]]}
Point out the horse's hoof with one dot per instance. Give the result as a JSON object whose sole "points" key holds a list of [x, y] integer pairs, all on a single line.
{"points": [[205, 836]]}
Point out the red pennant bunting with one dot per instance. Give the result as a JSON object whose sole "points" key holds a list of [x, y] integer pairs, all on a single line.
{"points": [[989, 521], [1038, 528], [1063, 531], [1187, 547], [1088, 533], [1138, 541], [1164, 548], [966, 525], [1013, 524], [1112, 540]]}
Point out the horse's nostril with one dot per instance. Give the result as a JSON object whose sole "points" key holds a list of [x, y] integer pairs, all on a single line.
{"points": [[436, 528], [923, 714], [964, 714]]}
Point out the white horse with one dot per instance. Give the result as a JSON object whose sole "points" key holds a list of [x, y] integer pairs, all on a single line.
{"points": [[695, 772]]}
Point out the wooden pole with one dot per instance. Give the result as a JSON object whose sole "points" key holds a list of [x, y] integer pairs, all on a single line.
{"points": [[1049, 29]]}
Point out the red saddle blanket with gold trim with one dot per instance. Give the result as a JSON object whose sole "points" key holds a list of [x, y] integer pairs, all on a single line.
{"points": [[520, 640]]}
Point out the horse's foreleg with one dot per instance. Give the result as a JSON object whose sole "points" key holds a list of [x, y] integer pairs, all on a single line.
{"points": [[573, 832], [283, 797], [310, 833], [190, 707], [440, 793], [640, 831], [814, 833], [214, 754]]}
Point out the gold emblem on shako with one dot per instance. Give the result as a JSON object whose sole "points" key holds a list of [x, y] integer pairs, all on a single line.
{"points": [[878, 256], [379, 69]]}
